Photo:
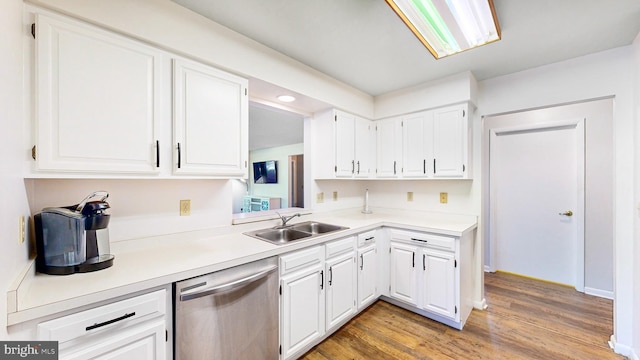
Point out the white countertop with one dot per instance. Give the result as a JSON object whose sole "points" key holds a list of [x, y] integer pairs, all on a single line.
{"points": [[156, 261]]}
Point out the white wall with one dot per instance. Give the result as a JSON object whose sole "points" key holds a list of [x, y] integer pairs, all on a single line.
{"points": [[142, 207], [14, 256], [598, 217], [593, 76], [281, 155], [636, 272]]}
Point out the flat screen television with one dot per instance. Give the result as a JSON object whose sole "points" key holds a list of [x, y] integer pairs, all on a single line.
{"points": [[265, 172]]}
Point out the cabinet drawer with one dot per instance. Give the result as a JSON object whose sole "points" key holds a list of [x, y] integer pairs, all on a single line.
{"points": [[429, 240], [117, 314], [366, 238], [299, 259], [339, 247]]}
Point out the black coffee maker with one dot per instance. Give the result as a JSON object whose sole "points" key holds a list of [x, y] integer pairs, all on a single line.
{"points": [[74, 238]]}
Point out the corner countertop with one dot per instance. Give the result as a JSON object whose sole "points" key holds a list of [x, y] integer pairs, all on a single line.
{"points": [[150, 262]]}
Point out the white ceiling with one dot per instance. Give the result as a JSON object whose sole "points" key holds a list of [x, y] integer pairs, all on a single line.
{"points": [[270, 127], [364, 44]]}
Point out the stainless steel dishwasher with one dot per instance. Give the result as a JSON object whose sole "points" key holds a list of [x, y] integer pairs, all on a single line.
{"points": [[229, 314]]}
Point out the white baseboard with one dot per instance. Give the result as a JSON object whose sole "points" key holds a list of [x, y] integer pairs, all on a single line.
{"points": [[480, 305], [622, 349], [487, 268], [600, 293]]}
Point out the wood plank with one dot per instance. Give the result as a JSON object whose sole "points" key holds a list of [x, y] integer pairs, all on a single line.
{"points": [[526, 319]]}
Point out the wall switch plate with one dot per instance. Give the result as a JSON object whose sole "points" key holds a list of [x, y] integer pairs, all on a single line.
{"points": [[22, 232], [444, 198], [185, 207], [409, 195], [335, 196], [320, 197]]}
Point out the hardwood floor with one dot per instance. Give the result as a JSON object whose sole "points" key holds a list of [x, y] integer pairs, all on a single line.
{"points": [[526, 319]]}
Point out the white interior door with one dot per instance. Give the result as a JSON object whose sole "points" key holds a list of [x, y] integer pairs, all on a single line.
{"points": [[537, 201]]}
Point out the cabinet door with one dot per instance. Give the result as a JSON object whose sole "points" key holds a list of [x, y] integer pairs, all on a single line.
{"points": [[97, 100], [404, 275], [367, 275], [389, 148], [341, 289], [417, 145], [364, 148], [145, 341], [302, 312], [450, 141], [345, 146], [210, 120], [438, 283]]}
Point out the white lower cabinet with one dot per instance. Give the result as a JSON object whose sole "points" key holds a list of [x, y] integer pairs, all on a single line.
{"points": [[134, 328], [341, 281], [302, 301], [367, 275], [427, 274], [403, 283], [438, 283]]}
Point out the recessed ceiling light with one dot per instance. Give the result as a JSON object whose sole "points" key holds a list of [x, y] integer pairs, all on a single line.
{"points": [[286, 98], [448, 27]]}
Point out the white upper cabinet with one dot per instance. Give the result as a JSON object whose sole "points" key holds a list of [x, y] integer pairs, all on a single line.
{"points": [[389, 148], [435, 143], [450, 142], [354, 146], [210, 120], [97, 100], [417, 144]]}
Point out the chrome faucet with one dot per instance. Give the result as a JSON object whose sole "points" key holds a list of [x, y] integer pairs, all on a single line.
{"points": [[286, 219]]}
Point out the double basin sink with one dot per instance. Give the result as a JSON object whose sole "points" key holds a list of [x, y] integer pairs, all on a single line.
{"points": [[286, 234]]}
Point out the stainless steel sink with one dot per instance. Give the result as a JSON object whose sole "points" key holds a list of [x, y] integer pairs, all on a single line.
{"points": [[294, 232], [314, 228], [281, 236]]}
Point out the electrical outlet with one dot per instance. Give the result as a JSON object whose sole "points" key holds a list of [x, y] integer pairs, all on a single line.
{"points": [[185, 207], [320, 197], [22, 232], [335, 196], [409, 195], [444, 198]]}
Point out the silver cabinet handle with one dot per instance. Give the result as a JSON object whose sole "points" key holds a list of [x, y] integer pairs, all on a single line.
{"points": [[236, 284]]}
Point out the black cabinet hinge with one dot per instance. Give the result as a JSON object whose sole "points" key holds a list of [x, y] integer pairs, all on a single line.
{"points": [[245, 91], [280, 290], [280, 350], [455, 263], [335, 118], [33, 30], [33, 152], [463, 113], [166, 335], [463, 168], [456, 309], [335, 168]]}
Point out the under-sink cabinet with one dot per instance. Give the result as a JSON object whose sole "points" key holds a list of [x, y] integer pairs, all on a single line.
{"points": [[134, 328], [302, 300], [342, 286]]}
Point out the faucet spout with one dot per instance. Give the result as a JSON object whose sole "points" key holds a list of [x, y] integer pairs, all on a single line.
{"points": [[286, 219]]}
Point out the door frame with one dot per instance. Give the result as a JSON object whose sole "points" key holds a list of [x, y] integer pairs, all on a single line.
{"points": [[579, 125]]}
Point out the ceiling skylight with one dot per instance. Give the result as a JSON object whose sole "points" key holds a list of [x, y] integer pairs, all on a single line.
{"points": [[447, 27]]}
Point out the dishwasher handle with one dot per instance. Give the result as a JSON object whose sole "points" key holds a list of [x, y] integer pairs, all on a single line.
{"points": [[236, 284]]}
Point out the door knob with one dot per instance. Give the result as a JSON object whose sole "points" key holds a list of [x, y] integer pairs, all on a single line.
{"points": [[567, 213]]}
